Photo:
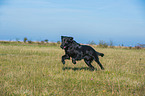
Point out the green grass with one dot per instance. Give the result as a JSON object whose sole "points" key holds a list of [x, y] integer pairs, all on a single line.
{"points": [[32, 70]]}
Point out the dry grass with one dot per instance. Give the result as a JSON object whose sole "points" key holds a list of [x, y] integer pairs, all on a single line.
{"points": [[37, 70]]}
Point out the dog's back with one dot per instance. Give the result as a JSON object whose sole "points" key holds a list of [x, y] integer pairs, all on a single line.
{"points": [[90, 49]]}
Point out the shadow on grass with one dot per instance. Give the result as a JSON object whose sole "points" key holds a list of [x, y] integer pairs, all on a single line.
{"points": [[77, 68]]}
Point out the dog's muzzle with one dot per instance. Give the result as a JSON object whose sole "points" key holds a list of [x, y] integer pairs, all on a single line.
{"points": [[63, 47]]}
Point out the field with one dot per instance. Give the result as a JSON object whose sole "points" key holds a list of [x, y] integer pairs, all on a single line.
{"points": [[36, 70]]}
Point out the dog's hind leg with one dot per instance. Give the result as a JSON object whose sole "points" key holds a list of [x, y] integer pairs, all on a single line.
{"points": [[64, 57], [88, 62], [97, 60]]}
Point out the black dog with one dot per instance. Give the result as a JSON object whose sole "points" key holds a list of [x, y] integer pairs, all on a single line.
{"points": [[78, 52]]}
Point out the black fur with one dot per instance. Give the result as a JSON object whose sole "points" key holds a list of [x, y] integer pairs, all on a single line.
{"points": [[78, 52]]}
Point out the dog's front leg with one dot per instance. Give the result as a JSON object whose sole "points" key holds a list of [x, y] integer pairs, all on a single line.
{"points": [[64, 57], [73, 60]]}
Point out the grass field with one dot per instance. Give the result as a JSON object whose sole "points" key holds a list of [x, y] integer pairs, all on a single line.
{"points": [[36, 70]]}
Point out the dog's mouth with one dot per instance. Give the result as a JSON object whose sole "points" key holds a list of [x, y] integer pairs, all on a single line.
{"points": [[63, 47]]}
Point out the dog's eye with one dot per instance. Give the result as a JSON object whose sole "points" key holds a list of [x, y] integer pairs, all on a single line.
{"points": [[65, 41]]}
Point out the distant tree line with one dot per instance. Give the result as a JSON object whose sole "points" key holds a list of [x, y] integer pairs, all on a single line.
{"points": [[25, 40], [139, 46], [104, 44], [29, 41], [101, 43]]}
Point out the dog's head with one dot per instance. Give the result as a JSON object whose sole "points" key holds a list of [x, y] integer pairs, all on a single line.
{"points": [[65, 41]]}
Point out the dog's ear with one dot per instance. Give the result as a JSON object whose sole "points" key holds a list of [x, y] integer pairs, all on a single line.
{"points": [[71, 38], [62, 37]]}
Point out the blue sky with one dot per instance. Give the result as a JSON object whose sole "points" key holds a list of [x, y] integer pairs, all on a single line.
{"points": [[121, 21]]}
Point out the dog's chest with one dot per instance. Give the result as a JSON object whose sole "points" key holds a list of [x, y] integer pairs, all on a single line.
{"points": [[74, 52], [70, 50]]}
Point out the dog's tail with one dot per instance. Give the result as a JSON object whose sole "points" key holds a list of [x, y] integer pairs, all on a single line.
{"points": [[100, 54]]}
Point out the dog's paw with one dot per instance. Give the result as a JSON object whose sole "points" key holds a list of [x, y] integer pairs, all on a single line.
{"points": [[102, 68], [63, 62], [74, 62]]}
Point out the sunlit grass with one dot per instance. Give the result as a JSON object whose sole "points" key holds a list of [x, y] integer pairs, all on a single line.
{"points": [[37, 70]]}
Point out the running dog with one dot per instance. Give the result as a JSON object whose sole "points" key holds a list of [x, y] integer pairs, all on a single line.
{"points": [[78, 52]]}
